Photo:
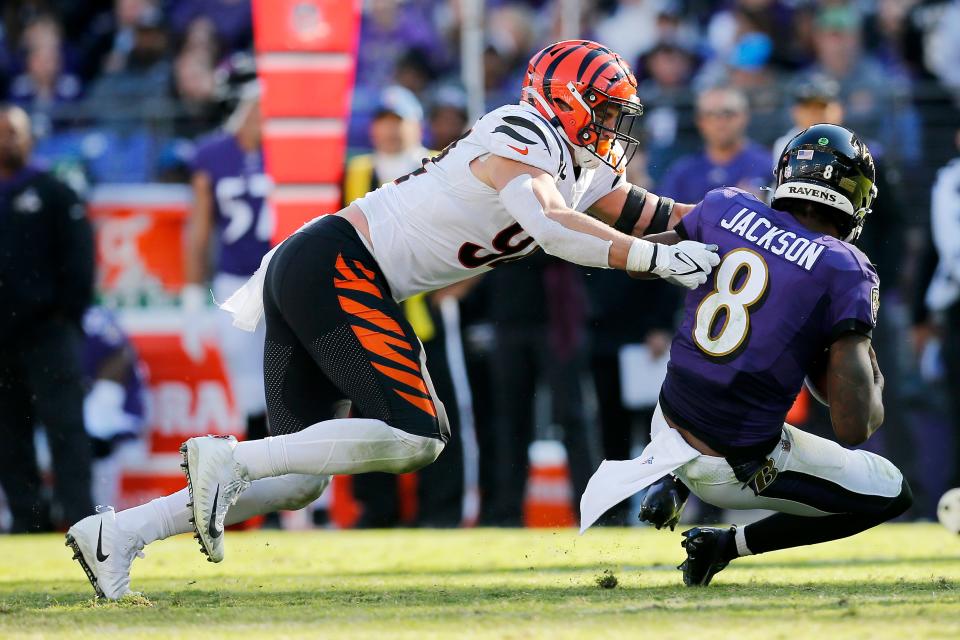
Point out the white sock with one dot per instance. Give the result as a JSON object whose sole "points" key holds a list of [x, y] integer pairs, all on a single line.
{"points": [[169, 516], [343, 446], [160, 518], [740, 538]]}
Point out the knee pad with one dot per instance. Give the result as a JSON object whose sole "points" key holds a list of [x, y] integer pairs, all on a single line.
{"points": [[422, 450], [303, 489], [432, 450]]}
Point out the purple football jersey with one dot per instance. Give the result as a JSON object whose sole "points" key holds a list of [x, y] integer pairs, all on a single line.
{"points": [[103, 338], [240, 188], [780, 296]]}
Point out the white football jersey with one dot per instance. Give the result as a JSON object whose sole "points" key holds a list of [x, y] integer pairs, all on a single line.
{"points": [[440, 224]]}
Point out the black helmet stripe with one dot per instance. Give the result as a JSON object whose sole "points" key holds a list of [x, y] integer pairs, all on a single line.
{"points": [[596, 74], [612, 81], [547, 51], [626, 71], [598, 47], [553, 67], [587, 60], [536, 61]]}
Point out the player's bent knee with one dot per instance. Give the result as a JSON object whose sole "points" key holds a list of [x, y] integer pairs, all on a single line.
{"points": [[894, 507], [428, 451], [303, 489], [423, 451], [899, 505]]}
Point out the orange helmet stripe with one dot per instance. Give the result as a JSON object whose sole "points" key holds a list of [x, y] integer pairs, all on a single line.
{"points": [[589, 58], [552, 68]]}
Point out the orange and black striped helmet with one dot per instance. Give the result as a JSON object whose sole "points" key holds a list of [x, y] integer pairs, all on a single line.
{"points": [[590, 94]]}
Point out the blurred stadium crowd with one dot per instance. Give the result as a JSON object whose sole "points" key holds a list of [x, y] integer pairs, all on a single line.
{"points": [[119, 91]]}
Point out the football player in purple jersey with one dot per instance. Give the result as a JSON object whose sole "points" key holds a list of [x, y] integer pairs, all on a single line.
{"points": [[230, 220], [792, 298]]}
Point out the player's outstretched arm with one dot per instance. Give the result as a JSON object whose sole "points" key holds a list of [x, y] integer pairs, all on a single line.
{"points": [[531, 197], [855, 387], [635, 211]]}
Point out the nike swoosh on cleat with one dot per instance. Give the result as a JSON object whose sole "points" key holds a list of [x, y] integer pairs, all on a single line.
{"points": [[522, 152], [100, 555], [211, 526]]}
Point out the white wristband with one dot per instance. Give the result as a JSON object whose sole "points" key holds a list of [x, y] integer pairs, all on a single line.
{"points": [[641, 255]]}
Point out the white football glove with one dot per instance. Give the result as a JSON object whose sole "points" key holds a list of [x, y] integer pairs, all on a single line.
{"points": [[687, 263], [103, 414]]}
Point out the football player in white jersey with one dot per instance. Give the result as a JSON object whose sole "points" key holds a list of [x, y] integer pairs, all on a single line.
{"points": [[516, 182]]}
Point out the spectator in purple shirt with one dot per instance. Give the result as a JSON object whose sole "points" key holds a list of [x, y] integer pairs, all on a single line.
{"points": [[389, 30], [45, 83], [668, 120], [140, 84], [728, 158]]}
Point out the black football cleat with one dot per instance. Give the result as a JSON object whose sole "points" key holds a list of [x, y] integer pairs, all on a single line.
{"points": [[705, 547], [663, 502]]}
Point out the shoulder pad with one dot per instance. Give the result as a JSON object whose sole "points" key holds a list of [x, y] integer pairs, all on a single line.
{"points": [[731, 192], [851, 258], [517, 134]]}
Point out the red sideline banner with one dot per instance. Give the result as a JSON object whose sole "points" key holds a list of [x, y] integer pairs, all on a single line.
{"points": [[139, 241]]}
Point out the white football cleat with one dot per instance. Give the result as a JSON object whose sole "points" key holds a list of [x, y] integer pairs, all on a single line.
{"points": [[215, 481], [105, 551]]}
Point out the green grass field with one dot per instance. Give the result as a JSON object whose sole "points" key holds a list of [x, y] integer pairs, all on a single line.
{"points": [[898, 581]]}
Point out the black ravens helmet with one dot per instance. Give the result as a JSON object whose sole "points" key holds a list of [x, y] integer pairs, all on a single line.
{"points": [[829, 165], [235, 80]]}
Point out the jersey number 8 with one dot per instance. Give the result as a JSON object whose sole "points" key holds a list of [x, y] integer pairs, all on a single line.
{"points": [[741, 281]]}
